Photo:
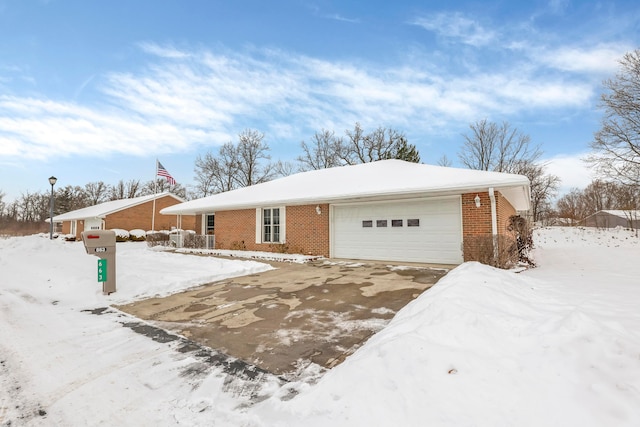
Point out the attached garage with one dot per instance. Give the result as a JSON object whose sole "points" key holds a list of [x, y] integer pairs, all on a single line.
{"points": [[388, 210], [424, 230]]}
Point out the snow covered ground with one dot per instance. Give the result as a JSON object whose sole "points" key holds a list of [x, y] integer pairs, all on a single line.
{"points": [[558, 345]]}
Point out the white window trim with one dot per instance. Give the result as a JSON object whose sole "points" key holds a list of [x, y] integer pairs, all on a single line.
{"points": [[204, 223], [260, 228]]}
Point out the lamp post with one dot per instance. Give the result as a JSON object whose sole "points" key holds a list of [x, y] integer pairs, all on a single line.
{"points": [[52, 181]]}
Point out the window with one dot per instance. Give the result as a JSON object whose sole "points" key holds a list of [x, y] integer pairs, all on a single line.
{"points": [[271, 225], [367, 223], [210, 224], [396, 222], [413, 223], [381, 223]]}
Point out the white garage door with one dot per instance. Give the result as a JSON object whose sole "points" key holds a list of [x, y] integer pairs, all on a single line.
{"points": [[427, 231]]}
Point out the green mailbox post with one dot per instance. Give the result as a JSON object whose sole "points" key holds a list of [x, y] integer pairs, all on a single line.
{"points": [[102, 243]]}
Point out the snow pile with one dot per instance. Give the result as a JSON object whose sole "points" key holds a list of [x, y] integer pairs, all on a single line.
{"points": [[483, 347], [558, 345], [257, 255]]}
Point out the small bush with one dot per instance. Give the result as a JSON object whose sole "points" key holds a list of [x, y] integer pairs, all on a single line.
{"points": [[121, 235], [193, 241], [481, 249], [238, 246], [137, 235], [156, 238], [523, 235]]}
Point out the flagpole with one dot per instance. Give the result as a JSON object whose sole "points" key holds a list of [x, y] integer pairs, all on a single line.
{"points": [[155, 192]]}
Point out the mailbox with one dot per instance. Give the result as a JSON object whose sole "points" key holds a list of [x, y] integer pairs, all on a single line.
{"points": [[102, 243]]}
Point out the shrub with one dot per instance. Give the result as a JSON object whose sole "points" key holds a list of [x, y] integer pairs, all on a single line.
{"points": [[523, 235], [121, 235], [156, 238], [481, 248], [193, 241], [238, 246], [137, 235]]}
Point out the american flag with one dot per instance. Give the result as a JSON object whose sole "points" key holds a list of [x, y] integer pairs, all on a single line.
{"points": [[163, 172]]}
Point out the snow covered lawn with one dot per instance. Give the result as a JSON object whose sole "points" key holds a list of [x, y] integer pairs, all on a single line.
{"points": [[555, 345]]}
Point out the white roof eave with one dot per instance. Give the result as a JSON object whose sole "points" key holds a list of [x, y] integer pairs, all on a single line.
{"points": [[520, 202]]}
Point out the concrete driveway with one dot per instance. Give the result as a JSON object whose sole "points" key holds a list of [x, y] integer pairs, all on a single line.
{"points": [[285, 319]]}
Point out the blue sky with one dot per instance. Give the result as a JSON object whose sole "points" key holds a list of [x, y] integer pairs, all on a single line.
{"points": [[96, 90]]}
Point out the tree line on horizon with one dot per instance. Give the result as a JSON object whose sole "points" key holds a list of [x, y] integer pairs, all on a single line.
{"points": [[487, 146]]}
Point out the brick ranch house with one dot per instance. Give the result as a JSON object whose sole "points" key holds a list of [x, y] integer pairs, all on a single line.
{"points": [[125, 214], [389, 210]]}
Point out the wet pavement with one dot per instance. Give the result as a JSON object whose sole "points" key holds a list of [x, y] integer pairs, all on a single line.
{"points": [[283, 320]]}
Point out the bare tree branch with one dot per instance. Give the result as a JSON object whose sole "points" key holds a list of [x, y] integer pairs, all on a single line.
{"points": [[616, 144]]}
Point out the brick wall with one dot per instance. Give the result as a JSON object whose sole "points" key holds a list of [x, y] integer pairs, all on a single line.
{"points": [[306, 231], [139, 217], [477, 233], [236, 229], [198, 224], [66, 228], [504, 211]]}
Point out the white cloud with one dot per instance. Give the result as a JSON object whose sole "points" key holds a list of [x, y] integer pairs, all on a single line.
{"points": [[457, 26], [163, 51], [186, 99], [338, 17], [573, 172], [599, 59]]}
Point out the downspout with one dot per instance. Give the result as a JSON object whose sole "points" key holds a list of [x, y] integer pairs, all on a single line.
{"points": [[494, 223]]}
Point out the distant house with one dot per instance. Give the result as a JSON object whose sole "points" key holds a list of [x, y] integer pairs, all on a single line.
{"points": [[126, 214], [613, 219], [388, 210]]}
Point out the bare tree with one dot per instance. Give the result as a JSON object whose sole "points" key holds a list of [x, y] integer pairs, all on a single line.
{"points": [[628, 197], [32, 207], [128, 190], [500, 148], [216, 174], [503, 148], [236, 165], [444, 161], [96, 192], [322, 152], [543, 188], [12, 210], [161, 185], [617, 144], [382, 143], [597, 196], [327, 150], [282, 169], [251, 152], [571, 206], [600, 195]]}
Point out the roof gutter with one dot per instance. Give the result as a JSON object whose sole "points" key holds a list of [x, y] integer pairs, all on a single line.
{"points": [[348, 198], [494, 223]]}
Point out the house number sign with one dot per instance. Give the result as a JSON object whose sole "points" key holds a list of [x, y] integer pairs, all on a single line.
{"points": [[102, 269]]}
